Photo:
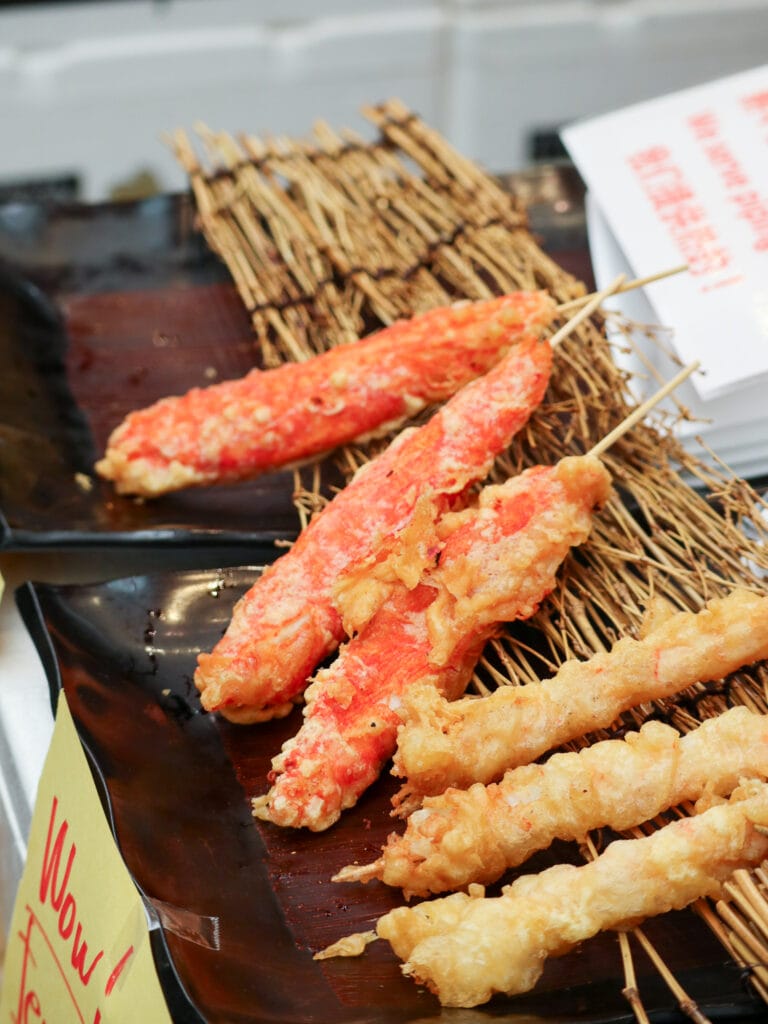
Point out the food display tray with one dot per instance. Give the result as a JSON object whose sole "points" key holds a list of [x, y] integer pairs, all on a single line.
{"points": [[241, 906], [129, 306], [106, 308]]}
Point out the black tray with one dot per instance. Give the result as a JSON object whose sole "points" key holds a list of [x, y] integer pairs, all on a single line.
{"points": [[106, 308], [103, 310], [243, 904]]}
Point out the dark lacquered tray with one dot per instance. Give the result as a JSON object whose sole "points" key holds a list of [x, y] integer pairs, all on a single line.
{"points": [[103, 310], [242, 905], [106, 308]]}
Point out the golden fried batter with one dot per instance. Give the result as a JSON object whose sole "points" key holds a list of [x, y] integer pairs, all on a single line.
{"points": [[446, 744], [465, 947], [474, 835], [500, 558]]}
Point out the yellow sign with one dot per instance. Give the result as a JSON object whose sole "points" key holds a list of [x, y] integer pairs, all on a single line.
{"points": [[78, 948]]}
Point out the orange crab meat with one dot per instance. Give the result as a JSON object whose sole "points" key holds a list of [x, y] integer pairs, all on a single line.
{"points": [[497, 563], [239, 429], [288, 621]]}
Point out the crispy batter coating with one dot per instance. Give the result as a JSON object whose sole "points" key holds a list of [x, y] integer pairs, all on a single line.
{"points": [[446, 744], [351, 715], [498, 560], [238, 429], [288, 622], [465, 947], [474, 835]]}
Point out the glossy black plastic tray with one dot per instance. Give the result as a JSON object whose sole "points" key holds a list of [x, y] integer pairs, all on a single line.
{"points": [[103, 310], [243, 905]]}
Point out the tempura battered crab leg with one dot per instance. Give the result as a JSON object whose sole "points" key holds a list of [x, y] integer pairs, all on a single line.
{"points": [[287, 622], [495, 562], [238, 429], [466, 948], [474, 835], [446, 744]]}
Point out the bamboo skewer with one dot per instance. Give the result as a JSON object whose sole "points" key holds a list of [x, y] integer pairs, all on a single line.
{"points": [[628, 286], [687, 1005], [593, 302], [642, 410], [630, 991]]}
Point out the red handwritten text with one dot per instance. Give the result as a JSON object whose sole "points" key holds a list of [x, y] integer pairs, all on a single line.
{"points": [[749, 206], [41, 940], [28, 1006], [61, 899], [675, 203]]}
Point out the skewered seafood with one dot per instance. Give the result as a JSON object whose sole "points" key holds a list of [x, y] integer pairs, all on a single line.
{"points": [[351, 715], [446, 744], [474, 835], [466, 947], [287, 622], [241, 428], [494, 562]]}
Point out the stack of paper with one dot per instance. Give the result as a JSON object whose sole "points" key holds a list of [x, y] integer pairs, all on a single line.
{"points": [[684, 179]]}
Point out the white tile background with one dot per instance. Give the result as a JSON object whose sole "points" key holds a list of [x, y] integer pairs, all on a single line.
{"points": [[91, 88]]}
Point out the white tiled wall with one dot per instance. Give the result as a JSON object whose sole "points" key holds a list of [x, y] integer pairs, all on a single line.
{"points": [[90, 88], [519, 67], [93, 88]]}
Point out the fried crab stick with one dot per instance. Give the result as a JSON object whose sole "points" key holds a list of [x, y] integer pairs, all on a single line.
{"points": [[239, 429], [475, 835], [467, 947], [492, 563], [288, 621], [444, 744]]}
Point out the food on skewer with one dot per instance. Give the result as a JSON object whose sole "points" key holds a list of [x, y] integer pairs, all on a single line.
{"points": [[350, 718], [444, 744], [466, 947], [238, 429], [288, 622], [474, 835], [494, 562]]}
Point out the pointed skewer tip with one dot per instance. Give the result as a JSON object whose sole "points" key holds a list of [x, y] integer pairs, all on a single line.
{"points": [[626, 286], [586, 310], [640, 412], [359, 872]]}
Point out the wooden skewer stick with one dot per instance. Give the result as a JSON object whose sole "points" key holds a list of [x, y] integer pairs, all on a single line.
{"points": [[630, 991], [684, 1001], [637, 414], [593, 301], [628, 286]]}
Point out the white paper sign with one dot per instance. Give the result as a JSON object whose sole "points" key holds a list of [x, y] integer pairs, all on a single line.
{"points": [[684, 179]]}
